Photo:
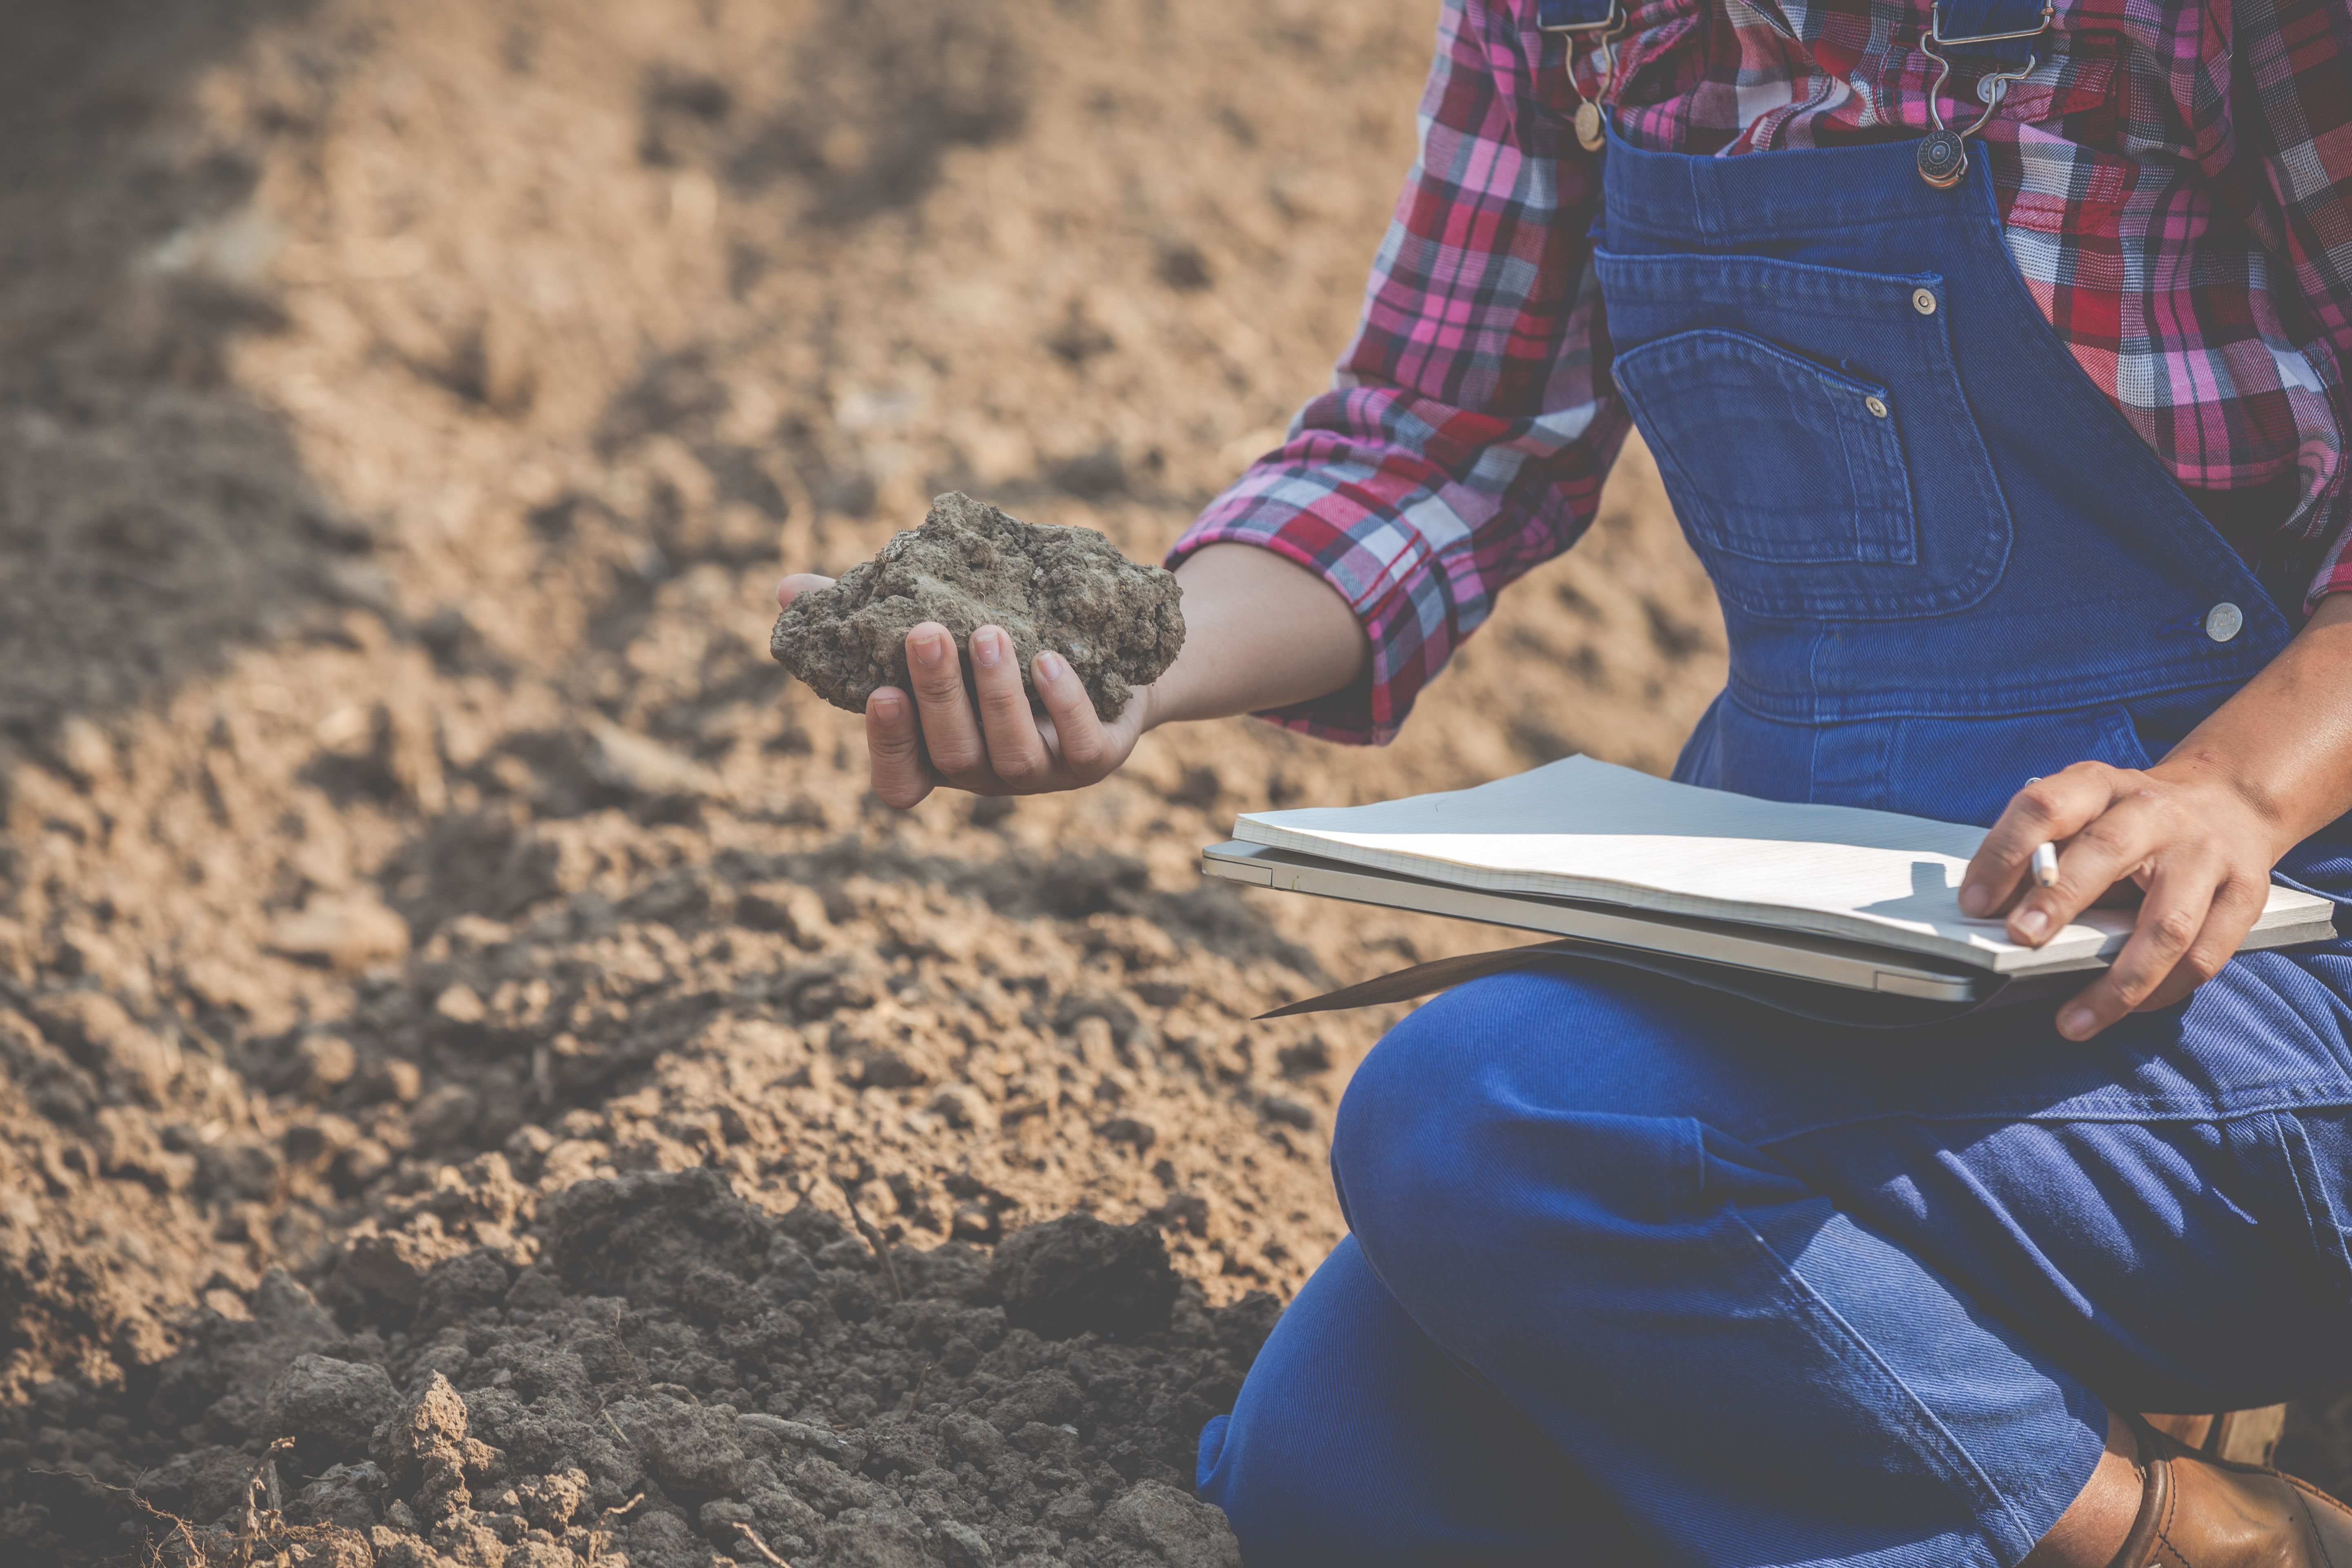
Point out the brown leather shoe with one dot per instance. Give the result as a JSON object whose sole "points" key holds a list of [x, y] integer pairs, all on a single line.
{"points": [[2196, 1511]]}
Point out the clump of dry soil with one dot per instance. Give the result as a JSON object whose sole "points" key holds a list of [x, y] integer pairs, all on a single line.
{"points": [[970, 565]]}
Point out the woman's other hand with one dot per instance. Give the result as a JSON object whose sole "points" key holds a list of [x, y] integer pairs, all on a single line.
{"points": [[2199, 853], [2198, 833], [986, 741]]}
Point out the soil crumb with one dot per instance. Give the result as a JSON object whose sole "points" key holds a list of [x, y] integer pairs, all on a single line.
{"points": [[970, 565]]}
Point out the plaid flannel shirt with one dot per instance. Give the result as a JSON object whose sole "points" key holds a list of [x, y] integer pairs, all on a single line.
{"points": [[2175, 184]]}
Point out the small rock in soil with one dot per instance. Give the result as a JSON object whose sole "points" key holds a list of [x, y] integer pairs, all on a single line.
{"points": [[970, 565]]}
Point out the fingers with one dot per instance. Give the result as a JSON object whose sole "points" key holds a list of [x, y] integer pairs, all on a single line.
{"points": [[2046, 811], [2236, 907], [2172, 917], [950, 733], [799, 582], [1017, 752], [2119, 844], [2200, 862], [987, 740], [1086, 749], [894, 750]]}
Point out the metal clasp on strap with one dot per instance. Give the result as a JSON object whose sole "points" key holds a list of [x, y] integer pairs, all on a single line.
{"points": [[1943, 156], [1574, 16]]}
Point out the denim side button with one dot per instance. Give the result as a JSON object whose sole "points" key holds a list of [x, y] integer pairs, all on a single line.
{"points": [[1877, 406], [1924, 301], [2224, 622]]}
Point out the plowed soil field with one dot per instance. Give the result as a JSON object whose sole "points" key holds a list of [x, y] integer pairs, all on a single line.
{"points": [[481, 1080]]}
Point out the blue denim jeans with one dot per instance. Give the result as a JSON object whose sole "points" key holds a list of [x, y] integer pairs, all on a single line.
{"points": [[1639, 1274]]}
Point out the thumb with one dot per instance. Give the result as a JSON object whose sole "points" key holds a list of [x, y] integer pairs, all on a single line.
{"points": [[799, 582]]}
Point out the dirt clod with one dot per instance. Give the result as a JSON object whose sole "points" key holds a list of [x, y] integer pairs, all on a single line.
{"points": [[424, 1446], [970, 565], [331, 1407], [1174, 1527], [1075, 1274]]}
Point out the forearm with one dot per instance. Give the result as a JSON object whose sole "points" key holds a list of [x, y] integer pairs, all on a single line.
{"points": [[2284, 743], [1260, 631], [1468, 433]]}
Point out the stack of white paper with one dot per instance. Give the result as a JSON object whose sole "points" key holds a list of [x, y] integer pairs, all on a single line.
{"points": [[1584, 829]]}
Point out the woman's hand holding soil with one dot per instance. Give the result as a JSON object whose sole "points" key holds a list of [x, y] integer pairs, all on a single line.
{"points": [[2198, 832], [985, 740], [1264, 632]]}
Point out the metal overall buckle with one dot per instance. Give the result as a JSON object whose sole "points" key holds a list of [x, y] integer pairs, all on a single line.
{"points": [[1943, 155], [1608, 27]]}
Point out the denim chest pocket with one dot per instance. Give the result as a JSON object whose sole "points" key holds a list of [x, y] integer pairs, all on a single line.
{"points": [[1811, 428], [1797, 464]]}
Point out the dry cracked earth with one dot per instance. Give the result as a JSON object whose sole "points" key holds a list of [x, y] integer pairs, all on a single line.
{"points": [[480, 1081]]}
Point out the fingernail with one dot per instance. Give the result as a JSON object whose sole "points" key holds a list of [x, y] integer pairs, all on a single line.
{"points": [[2075, 1023], [1974, 899], [988, 648], [1052, 666], [2031, 923], [930, 649], [883, 705]]}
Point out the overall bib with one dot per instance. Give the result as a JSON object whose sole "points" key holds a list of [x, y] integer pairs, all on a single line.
{"points": [[1639, 1272]]}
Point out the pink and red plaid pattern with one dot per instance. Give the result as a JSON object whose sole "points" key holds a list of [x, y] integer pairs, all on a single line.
{"points": [[2176, 181]]}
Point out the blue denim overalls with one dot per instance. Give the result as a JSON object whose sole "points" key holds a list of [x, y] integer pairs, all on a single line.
{"points": [[1639, 1272]]}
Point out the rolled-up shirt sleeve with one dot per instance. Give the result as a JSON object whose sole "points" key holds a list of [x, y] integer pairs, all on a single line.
{"points": [[1469, 425]]}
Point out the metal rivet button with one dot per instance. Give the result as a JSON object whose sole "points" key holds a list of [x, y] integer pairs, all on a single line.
{"points": [[1877, 406], [2224, 621], [1924, 301]]}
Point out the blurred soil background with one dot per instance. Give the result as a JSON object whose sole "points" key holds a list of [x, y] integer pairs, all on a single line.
{"points": [[453, 987]]}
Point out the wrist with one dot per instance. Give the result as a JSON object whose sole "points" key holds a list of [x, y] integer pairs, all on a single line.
{"points": [[1154, 700], [1164, 699], [2222, 793]]}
